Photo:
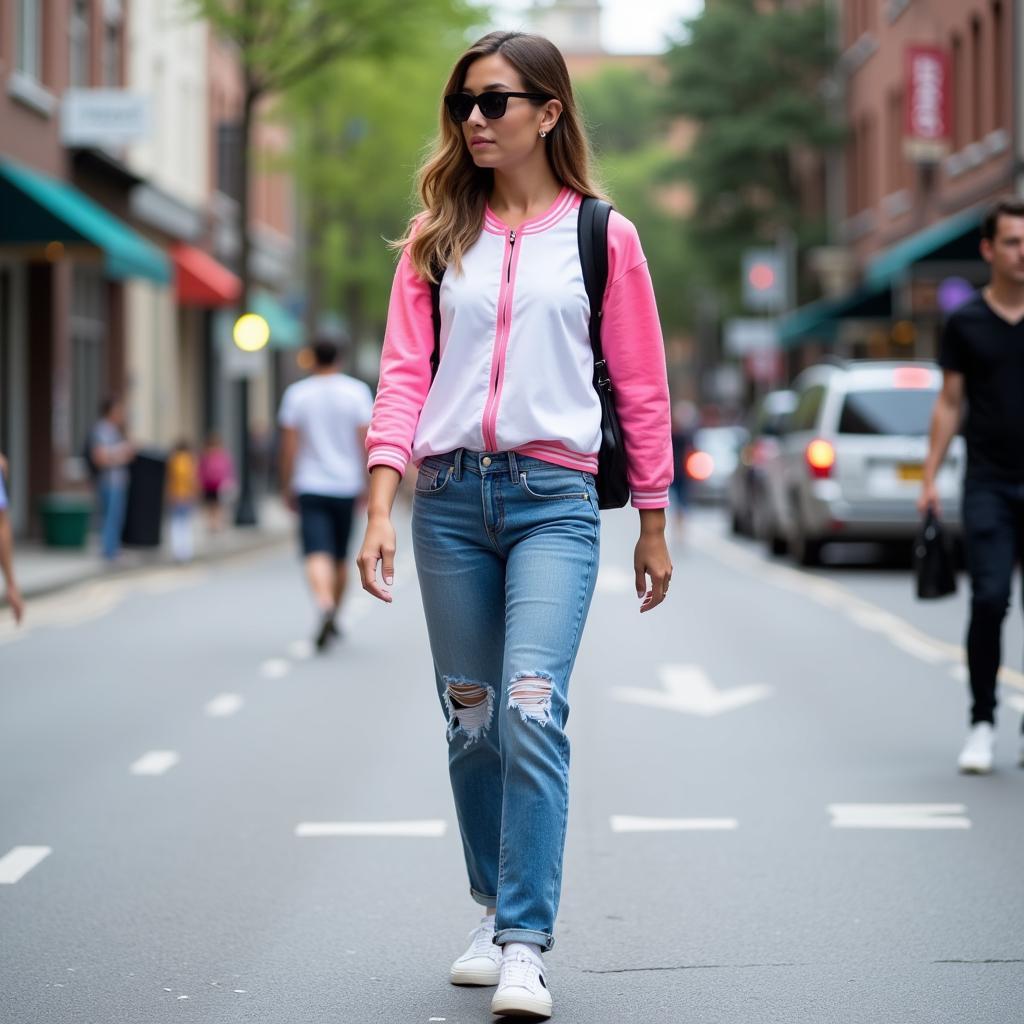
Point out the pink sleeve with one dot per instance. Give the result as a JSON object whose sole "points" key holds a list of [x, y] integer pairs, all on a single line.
{"points": [[635, 353], [404, 370]]}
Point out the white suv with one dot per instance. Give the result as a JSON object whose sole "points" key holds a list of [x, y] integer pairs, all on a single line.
{"points": [[850, 461]]}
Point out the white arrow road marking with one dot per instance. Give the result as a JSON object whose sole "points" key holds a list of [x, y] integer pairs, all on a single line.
{"points": [[613, 580], [17, 863], [625, 823], [156, 762], [391, 829], [688, 689], [224, 705], [275, 668], [899, 816]]}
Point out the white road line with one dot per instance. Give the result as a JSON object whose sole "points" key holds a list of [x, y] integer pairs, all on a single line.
{"points": [[300, 650], [625, 823], [688, 689], [899, 816], [224, 705], [275, 668], [156, 762], [391, 829], [18, 862], [864, 613], [1016, 702]]}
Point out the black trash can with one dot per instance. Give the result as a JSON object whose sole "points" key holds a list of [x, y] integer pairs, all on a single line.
{"points": [[144, 511]]}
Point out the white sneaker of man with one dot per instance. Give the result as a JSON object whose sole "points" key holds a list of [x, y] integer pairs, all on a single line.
{"points": [[976, 757], [481, 963], [522, 990]]}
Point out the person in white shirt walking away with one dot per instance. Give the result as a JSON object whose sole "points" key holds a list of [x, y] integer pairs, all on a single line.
{"points": [[323, 421]]}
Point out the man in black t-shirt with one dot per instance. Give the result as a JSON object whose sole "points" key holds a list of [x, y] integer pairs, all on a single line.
{"points": [[983, 362]]}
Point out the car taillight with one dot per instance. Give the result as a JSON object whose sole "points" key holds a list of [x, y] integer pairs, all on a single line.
{"points": [[821, 457], [699, 465], [912, 377]]}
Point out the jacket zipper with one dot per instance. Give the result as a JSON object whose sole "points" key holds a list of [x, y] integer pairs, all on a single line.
{"points": [[493, 441]]}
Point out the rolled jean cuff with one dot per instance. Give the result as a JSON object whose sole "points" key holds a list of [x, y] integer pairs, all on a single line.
{"points": [[542, 939], [484, 901]]}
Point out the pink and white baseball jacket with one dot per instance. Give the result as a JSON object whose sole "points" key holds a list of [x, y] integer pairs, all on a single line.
{"points": [[516, 370]]}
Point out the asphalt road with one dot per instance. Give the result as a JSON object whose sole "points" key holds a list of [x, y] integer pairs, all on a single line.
{"points": [[766, 823]]}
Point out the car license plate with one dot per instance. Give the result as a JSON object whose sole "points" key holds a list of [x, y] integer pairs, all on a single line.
{"points": [[910, 471]]}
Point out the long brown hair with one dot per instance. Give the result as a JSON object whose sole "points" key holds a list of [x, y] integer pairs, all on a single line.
{"points": [[454, 191]]}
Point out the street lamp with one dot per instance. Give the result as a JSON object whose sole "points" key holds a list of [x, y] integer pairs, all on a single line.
{"points": [[251, 333]]}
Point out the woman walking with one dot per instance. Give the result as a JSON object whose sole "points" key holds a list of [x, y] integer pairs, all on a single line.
{"points": [[506, 437]]}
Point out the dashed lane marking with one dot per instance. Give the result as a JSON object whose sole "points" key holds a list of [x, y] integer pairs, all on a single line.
{"points": [[899, 816], [224, 705], [18, 862], [275, 668], [155, 762], [431, 829], [626, 823]]}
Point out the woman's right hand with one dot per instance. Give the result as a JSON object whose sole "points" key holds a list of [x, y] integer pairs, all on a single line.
{"points": [[378, 547]]}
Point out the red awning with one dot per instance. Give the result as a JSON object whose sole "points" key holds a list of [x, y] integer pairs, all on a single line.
{"points": [[200, 280]]}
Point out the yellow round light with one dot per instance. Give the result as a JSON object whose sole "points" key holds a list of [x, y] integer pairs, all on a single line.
{"points": [[251, 332]]}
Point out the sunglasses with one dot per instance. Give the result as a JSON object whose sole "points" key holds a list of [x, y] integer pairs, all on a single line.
{"points": [[492, 104]]}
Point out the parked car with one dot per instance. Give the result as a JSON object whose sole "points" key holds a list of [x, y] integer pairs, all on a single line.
{"points": [[767, 421], [711, 462], [851, 460]]}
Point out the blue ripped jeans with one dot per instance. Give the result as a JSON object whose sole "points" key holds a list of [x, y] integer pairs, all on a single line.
{"points": [[507, 553]]}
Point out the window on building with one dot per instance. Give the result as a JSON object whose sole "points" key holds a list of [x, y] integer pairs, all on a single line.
{"points": [[1000, 83], [29, 38], [957, 74], [113, 26], [78, 32], [228, 143], [976, 96], [894, 142], [852, 171], [867, 172]]}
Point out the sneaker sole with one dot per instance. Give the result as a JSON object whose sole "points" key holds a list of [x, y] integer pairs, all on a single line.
{"points": [[477, 978], [521, 1006], [974, 770]]}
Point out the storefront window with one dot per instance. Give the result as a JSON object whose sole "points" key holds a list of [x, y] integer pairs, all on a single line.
{"points": [[88, 350]]}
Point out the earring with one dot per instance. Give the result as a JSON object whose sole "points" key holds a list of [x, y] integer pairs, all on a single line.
{"points": [[543, 134]]}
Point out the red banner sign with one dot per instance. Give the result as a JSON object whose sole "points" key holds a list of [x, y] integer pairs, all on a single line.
{"points": [[928, 114]]}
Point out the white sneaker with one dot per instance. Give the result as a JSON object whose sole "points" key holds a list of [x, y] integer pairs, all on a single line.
{"points": [[976, 757], [481, 963], [522, 991]]}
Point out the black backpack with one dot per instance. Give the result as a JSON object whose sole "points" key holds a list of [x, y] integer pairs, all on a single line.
{"points": [[592, 237]]}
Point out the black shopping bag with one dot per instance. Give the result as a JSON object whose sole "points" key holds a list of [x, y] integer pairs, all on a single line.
{"points": [[933, 560]]}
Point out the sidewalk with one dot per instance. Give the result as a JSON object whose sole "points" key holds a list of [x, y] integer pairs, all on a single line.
{"points": [[40, 569]]}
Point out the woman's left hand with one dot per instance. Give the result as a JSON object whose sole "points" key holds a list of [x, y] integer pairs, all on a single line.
{"points": [[651, 559]]}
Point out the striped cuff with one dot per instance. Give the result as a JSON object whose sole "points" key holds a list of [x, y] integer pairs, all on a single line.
{"points": [[649, 499], [388, 455]]}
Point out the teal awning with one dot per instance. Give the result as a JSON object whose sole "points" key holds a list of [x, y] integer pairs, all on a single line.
{"points": [[955, 238], [285, 330], [821, 319], [36, 209]]}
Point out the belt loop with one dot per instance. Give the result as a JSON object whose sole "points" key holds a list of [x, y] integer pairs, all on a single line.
{"points": [[513, 467], [458, 463]]}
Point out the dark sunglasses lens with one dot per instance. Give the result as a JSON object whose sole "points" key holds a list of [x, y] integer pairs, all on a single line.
{"points": [[460, 106], [493, 104]]}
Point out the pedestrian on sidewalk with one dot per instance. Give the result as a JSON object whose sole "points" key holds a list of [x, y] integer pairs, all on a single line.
{"points": [[506, 439], [7, 549], [983, 362], [182, 491], [323, 422], [216, 475], [110, 453]]}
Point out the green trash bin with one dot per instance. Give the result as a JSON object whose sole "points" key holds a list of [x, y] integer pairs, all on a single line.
{"points": [[65, 519]]}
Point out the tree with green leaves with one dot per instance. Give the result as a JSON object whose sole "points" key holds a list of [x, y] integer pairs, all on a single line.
{"points": [[753, 77]]}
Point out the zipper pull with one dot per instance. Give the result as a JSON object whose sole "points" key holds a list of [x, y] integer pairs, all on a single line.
{"points": [[512, 237]]}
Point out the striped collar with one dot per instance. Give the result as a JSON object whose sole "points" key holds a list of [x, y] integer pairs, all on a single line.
{"points": [[566, 201]]}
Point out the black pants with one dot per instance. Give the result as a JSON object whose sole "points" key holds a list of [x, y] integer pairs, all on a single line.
{"points": [[993, 523]]}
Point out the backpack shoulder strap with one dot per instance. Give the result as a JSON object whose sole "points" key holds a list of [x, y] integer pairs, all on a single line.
{"points": [[592, 236], [435, 310]]}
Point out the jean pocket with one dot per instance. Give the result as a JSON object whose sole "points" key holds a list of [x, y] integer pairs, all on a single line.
{"points": [[554, 486], [433, 479]]}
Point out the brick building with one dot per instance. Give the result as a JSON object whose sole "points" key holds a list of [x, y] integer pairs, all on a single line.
{"points": [[905, 217]]}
